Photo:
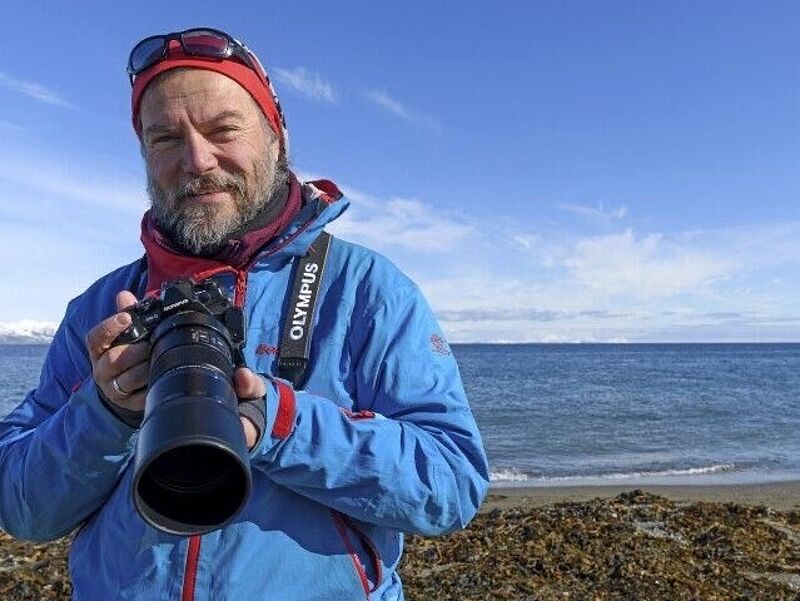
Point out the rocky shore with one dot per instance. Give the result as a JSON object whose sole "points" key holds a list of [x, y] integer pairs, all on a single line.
{"points": [[634, 546]]}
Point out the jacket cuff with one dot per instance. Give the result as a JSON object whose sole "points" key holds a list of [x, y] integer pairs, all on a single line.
{"points": [[281, 413], [255, 411]]}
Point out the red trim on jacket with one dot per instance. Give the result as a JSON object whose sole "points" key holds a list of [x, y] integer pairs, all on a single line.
{"points": [[210, 273], [330, 192], [241, 289], [190, 574], [362, 573], [284, 418], [267, 349], [376, 558], [358, 414]]}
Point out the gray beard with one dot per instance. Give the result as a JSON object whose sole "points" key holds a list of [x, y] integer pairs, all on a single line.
{"points": [[200, 228]]}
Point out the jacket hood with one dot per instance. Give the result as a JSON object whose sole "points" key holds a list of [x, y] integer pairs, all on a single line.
{"points": [[322, 203]]}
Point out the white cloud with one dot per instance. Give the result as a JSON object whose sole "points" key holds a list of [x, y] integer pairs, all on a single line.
{"points": [[407, 224], [646, 267], [106, 188], [500, 281], [542, 286], [311, 85], [382, 98], [598, 213], [33, 90], [397, 108], [526, 241], [759, 245]]}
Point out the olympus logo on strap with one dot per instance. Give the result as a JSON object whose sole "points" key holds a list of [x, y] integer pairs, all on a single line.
{"points": [[295, 345], [308, 278]]}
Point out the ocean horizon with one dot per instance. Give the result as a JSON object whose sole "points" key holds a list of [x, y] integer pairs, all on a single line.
{"points": [[592, 414]]}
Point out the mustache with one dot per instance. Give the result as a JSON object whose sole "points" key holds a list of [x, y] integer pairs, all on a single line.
{"points": [[221, 182]]}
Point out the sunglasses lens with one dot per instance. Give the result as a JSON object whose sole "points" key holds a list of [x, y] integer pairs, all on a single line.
{"points": [[205, 43], [146, 53]]}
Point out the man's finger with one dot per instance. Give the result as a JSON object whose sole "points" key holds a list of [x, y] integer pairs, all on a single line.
{"points": [[100, 337], [248, 385], [119, 359], [125, 356], [125, 299], [133, 379]]}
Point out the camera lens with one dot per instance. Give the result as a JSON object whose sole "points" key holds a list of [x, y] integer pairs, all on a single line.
{"points": [[192, 472]]}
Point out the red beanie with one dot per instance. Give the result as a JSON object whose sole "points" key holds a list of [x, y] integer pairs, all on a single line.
{"points": [[257, 84]]}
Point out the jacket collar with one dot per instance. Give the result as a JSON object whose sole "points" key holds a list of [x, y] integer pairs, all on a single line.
{"points": [[310, 207]]}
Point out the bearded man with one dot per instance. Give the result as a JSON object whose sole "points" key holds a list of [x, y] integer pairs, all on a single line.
{"points": [[377, 438]]}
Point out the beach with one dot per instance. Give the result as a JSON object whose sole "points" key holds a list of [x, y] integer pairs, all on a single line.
{"points": [[782, 496], [657, 543]]}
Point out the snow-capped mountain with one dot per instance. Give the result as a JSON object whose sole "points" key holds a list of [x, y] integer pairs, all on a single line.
{"points": [[27, 332]]}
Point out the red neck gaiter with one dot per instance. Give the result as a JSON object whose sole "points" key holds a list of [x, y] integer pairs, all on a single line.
{"points": [[165, 262]]}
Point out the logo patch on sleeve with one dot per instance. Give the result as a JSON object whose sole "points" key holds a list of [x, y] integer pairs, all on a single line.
{"points": [[439, 345], [266, 349]]}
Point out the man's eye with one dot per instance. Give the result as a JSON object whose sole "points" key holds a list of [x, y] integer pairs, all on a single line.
{"points": [[225, 130], [163, 139]]}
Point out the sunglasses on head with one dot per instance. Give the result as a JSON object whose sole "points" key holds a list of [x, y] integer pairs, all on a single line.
{"points": [[202, 41]]}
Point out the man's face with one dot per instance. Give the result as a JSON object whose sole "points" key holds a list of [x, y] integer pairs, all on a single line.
{"points": [[211, 160]]}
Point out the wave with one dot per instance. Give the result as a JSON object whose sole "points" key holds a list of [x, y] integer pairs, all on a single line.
{"points": [[508, 475], [515, 475]]}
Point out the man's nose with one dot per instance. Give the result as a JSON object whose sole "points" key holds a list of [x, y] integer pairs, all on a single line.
{"points": [[198, 154]]}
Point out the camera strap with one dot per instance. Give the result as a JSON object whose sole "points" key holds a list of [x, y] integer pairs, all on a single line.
{"points": [[299, 322]]}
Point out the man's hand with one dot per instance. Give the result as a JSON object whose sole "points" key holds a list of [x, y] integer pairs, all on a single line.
{"points": [[127, 364], [248, 386]]}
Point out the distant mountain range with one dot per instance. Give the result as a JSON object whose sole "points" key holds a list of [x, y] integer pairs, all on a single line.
{"points": [[27, 332]]}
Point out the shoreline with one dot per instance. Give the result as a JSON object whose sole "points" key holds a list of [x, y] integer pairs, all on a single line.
{"points": [[781, 496]]}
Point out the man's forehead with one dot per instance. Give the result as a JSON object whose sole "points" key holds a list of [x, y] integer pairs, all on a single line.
{"points": [[209, 118], [206, 94]]}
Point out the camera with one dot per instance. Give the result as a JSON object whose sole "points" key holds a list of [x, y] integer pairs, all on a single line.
{"points": [[191, 470]]}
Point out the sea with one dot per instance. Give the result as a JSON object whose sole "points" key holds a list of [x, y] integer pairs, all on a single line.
{"points": [[606, 414]]}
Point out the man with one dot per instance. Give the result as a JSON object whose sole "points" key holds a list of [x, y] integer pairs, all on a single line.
{"points": [[380, 440]]}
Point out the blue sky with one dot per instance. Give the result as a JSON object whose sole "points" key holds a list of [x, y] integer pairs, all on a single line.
{"points": [[546, 171]]}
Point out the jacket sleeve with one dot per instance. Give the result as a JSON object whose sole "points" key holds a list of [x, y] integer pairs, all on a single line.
{"points": [[409, 455], [61, 450]]}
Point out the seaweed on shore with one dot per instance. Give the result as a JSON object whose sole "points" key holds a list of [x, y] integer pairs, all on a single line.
{"points": [[636, 546], [35, 572]]}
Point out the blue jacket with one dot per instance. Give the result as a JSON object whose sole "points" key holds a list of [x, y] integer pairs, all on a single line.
{"points": [[380, 442]]}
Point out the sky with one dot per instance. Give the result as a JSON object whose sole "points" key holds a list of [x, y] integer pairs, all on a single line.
{"points": [[546, 171]]}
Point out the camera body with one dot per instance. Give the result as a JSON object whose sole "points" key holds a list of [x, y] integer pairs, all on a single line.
{"points": [[191, 470], [180, 296]]}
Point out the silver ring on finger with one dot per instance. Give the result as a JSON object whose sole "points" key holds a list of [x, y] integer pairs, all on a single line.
{"points": [[118, 389]]}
